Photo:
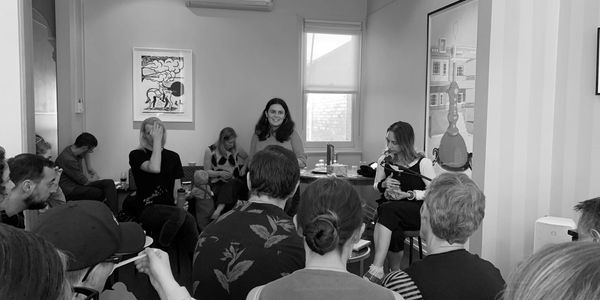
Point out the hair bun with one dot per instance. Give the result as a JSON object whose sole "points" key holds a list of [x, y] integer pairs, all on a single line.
{"points": [[321, 234]]}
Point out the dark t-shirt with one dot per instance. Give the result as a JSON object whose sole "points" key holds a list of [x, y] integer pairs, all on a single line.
{"points": [[456, 274], [155, 188], [248, 246]]}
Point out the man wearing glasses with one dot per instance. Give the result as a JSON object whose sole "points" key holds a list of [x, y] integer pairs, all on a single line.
{"points": [[93, 240], [79, 181]]}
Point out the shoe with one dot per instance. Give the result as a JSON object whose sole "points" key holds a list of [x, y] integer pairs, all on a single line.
{"points": [[374, 275]]}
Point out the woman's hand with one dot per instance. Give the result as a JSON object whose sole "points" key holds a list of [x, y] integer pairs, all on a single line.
{"points": [[156, 133], [391, 183], [156, 266], [225, 175]]}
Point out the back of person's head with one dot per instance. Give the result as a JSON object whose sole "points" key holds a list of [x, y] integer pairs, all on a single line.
{"points": [[589, 221], [144, 136], [41, 145], [561, 271], [456, 207], [329, 214], [27, 166], [86, 139], [30, 267], [274, 172]]}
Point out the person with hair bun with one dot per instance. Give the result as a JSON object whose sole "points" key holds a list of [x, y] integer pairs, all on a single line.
{"points": [[330, 221]]}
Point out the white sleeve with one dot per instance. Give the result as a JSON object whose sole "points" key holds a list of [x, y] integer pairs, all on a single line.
{"points": [[426, 169]]}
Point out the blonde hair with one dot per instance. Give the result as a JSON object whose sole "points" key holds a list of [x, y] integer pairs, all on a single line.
{"points": [[563, 271], [144, 143]]}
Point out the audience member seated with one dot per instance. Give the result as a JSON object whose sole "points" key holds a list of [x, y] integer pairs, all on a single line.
{"points": [[330, 218], [557, 272], [453, 210], [588, 226], [201, 199], [156, 265], [276, 127], [79, 181], [42, 148], [30, 267], [254, 243], [31, 179], [88, 234], [225, 163], [402, 195], [157, 173]]}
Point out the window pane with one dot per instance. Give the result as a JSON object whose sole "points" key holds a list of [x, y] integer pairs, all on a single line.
{"points": [[328, 117], [331, 61]]}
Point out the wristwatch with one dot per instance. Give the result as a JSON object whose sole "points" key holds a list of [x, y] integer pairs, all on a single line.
{"points": [[412, 195]]}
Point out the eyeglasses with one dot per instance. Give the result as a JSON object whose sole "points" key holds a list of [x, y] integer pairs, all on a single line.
{"points": [[90, 294]]}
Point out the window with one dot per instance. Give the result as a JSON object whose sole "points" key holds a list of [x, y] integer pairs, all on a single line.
{"points": [[331, 72], [432, 99], [436, 68], [460, 71]]}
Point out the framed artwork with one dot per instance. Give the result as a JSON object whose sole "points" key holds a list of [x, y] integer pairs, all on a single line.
{"points": [[598, 63], [450, 88], [163, 84]]}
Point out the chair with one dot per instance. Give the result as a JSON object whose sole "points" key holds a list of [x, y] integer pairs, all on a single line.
{"points": [[370, 219], [411, 235]]}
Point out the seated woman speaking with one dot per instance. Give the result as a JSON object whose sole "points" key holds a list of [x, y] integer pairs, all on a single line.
{"points": [[330, 220]]}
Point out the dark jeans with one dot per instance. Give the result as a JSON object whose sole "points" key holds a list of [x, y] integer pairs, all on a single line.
{"points": [[97, 190], [174, 230], [228, 193]]}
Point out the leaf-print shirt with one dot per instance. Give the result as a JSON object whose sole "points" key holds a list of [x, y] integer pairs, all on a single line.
{"points": [[248, 246]]}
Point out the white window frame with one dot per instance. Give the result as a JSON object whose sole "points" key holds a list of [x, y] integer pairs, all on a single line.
{"points": [[332, 27]]}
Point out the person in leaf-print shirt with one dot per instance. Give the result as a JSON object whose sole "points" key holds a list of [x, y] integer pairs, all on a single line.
{"points": [[256, 242]]}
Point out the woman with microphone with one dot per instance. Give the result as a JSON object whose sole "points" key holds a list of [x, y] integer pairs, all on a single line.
{"points": [[402, 176]]}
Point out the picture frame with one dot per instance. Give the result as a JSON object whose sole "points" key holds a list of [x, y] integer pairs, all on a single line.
{"points": [[450, 85], [598, 62], [163, 84]]}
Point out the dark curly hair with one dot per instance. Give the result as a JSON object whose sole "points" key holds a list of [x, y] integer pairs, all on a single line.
{"points": [[263, 127]]}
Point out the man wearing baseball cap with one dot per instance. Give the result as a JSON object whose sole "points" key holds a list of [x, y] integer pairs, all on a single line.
{"points": [[90, 236]]}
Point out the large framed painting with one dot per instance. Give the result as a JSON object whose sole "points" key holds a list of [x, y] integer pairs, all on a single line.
{"points": [[450, 88], [163, 84]]}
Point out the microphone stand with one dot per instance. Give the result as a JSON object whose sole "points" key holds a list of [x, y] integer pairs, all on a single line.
{"points": [[387, 165]]}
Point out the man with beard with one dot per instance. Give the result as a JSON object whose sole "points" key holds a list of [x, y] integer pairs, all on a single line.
{"points": [[34, 178]]}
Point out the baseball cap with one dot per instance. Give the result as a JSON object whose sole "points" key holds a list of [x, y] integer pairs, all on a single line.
{"points": [[88, 233]]}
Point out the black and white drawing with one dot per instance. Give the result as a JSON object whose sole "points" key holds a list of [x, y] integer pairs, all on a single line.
{"points": [[162, 84]]}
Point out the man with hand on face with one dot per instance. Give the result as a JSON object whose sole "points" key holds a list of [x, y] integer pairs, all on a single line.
{"points": [[79, 181], [34, 178]]}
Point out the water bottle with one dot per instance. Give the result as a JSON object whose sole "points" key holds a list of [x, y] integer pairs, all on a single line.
{"points": [[180, 197]]}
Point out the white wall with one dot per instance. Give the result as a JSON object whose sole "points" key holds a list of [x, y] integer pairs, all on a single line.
{"points": [[394, 70], [241, 60], [16, 81]]}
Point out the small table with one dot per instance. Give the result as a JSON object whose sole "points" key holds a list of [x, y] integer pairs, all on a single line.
{"points": [[307, 176]]}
